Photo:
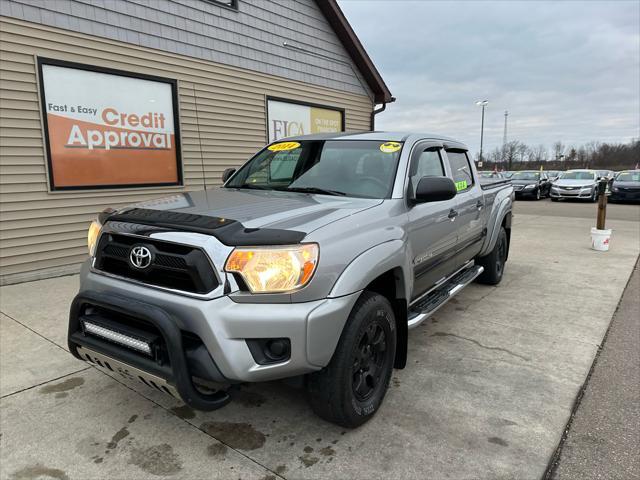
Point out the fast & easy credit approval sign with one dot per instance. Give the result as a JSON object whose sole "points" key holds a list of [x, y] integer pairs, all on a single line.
{"points": [[106, 128]]}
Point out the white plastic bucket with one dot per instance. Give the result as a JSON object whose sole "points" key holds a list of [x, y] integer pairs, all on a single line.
{"points": [[600, 239]]}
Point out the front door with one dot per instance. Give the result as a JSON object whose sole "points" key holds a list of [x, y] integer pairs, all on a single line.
{"points": [[432, 226]]}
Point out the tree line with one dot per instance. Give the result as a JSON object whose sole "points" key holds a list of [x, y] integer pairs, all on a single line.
{"points": [[516, 155]]}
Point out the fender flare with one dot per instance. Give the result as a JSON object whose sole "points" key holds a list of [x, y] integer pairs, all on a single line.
{"points": [[502, 210], [369, 265]]}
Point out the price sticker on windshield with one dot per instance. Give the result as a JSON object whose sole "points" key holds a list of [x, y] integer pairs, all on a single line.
{"points": [[390, 147], [461, 185], [283, 146]]}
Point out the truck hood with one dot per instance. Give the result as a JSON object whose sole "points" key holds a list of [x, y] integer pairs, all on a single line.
{"points": [[302, 212]]}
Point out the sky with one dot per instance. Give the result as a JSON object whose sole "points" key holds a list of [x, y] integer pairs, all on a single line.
{"points": [[566, 71]]}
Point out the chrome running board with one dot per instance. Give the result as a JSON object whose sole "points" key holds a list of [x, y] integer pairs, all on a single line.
{"points": [[444, 291]]}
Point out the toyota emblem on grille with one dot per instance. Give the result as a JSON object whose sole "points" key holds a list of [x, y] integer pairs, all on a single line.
{"points": [[140, 257]]}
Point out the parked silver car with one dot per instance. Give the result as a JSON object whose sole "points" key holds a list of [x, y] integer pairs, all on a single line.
{"points": [[581, 184]]}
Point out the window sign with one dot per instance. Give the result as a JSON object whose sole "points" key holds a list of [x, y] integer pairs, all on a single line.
{"points": [[108, 129], [289, 118]]}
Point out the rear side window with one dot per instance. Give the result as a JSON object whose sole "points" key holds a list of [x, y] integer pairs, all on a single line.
{"points": [[461, 170], [428, 164]]}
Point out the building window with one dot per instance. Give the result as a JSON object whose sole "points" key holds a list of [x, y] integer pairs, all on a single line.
{"points": [[225, 3]]}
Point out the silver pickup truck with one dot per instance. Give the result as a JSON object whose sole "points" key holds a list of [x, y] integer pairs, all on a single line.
{"points": [[312, 262]]}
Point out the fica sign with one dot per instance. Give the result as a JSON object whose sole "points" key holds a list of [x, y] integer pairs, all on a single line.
{"points": [[288, 119]]}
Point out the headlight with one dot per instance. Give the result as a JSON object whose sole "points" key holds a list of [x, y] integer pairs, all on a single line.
{"points": [[529, 187], [274, 269], [92, 236], [614, 189]]}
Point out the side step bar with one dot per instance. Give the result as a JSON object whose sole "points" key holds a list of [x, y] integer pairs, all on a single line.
{"points": [[427, 305]]}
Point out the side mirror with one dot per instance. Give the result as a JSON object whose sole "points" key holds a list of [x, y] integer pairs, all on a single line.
{"points": [[434, 189], [226, 175]]}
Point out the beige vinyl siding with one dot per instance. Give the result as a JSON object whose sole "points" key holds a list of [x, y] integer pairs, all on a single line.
{"points": [[222, 123]]}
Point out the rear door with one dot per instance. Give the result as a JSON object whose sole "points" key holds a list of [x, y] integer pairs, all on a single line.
{"points": [[470, 220], [432, 231]]}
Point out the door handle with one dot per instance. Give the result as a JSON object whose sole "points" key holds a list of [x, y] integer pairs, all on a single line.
{"points": [[479, 204], [452, 214]]}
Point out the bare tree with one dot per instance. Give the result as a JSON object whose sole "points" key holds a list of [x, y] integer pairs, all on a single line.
{"points": [[522, 150], [558, 150], [538, 154], [510, 151]]}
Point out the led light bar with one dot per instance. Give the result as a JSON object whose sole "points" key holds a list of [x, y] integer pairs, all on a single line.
{"points": [[116, 337]]}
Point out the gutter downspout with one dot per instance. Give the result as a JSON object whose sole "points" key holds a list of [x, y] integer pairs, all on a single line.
{"points": [[372, 122]]}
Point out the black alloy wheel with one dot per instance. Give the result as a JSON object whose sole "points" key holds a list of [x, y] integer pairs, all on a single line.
{"points": [[350, 389], [495, 261], [368, 362]]}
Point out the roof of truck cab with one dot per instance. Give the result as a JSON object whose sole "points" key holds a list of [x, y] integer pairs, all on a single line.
{"points": [[376, 136]]}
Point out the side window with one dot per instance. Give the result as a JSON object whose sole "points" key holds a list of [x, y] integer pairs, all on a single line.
{"points": [[428, 164], [461, 170]]}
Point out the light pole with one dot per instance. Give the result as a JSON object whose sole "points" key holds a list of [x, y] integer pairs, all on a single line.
{"points": [[482, 103]]}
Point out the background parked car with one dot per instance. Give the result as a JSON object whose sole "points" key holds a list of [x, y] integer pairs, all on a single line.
{"points": [[625, 186], [608, 174], [530, 183], [553, 174], [490, 174], [581, 184]]}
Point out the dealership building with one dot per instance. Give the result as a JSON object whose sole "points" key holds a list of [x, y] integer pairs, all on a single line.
{"points": [[110, 102]]}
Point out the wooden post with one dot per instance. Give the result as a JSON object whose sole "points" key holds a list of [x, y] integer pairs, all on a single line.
{"points": [[602, 204]]}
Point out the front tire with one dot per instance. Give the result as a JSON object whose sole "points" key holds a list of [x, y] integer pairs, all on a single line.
{"points": [[538, 194], [594, 197], [351, 388], [494, 262]]}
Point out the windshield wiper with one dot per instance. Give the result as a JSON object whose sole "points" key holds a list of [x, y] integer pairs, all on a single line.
{"points": [[323, 191]]}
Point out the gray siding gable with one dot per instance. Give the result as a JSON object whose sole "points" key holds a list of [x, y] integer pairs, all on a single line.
{"points": [[288, 38]]}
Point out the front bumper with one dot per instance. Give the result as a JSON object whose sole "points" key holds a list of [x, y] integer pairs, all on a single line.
{"points": [[559, 192], [530, 192], [625, 195], [222, 325]]}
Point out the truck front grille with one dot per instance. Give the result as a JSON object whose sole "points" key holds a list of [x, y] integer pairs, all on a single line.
{"points": [[174, 266]]}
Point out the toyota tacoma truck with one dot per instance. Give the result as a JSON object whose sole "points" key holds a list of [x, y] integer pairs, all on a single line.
{"points": [[311, 262]]}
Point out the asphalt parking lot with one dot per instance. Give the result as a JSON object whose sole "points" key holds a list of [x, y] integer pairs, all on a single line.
{"points": [[489, 388]]}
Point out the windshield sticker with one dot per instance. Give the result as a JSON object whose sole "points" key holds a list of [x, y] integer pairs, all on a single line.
{"points": [[283, 146], [461, 185], [390, 147]]}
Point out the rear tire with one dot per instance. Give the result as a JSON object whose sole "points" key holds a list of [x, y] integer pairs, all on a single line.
{"points": [[494, 262], [351, 388]]}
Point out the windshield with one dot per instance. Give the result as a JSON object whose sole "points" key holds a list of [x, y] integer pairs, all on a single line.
{"points": [[357, 168], [488, 174], [578, 176], [525, 176], [628, 177]]}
